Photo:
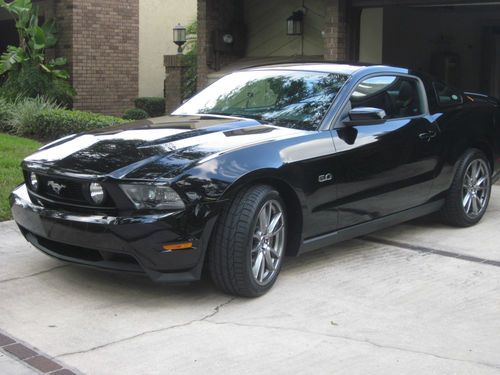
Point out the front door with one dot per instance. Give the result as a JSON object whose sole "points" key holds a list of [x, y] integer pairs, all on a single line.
{"points": [[384, 168]]}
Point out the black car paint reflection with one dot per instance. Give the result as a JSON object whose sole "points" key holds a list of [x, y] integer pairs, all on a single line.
{"points": [[377, 170]]}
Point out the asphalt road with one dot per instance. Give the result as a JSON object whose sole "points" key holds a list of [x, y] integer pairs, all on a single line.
{"points": [[419, 298]]}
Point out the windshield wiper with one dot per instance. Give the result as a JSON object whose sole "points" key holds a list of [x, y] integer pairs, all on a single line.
{"points": [[252, 116]]}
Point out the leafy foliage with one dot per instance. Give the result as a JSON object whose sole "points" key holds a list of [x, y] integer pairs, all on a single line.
{"points": [[135, 114], [6, 113], [28, 81], [153, 106], [28, 60], [55, 123], [191, 58], [34, 39]]}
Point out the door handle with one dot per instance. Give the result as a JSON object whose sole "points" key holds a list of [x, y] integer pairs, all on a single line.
{"points": [[427, 136]]}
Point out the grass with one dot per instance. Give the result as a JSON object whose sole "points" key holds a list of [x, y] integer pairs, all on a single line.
{"points": [[12, 152]]}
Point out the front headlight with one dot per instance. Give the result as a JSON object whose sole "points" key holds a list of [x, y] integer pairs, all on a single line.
{"points": [[153, 196]]}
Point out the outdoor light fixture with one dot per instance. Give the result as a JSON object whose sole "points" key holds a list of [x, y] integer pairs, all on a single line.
{"points": [[294, 23], [228, 38], [179, 37]]}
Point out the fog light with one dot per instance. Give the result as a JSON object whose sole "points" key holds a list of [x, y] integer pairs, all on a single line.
{"points": [[96, 193], [34, 181]]}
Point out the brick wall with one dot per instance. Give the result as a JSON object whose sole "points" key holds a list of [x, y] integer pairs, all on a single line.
{"points": [[105, 53], [336, 38], [175, 77], [100, 39], [204, 43]]}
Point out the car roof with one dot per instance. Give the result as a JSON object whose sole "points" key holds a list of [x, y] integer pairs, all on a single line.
{"points": [[328, 67]]}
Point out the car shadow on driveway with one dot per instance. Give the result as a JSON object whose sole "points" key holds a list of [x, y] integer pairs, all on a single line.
{"points": [[110, 287]]}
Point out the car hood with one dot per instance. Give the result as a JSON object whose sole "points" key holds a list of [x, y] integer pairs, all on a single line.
{"points": [[154, 148]]}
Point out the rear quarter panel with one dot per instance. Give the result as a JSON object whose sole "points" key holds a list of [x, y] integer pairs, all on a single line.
{"points": [[474, 124]]}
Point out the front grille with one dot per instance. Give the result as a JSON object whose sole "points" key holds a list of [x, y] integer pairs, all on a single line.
{"points": [[71, 192], [70, 251], [62, 189]]}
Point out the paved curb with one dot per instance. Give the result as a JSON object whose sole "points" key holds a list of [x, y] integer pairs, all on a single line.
{"points": [[32, 357]]}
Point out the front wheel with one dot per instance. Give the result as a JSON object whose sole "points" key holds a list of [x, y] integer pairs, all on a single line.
{"points": [[248, 246], [469, 194]]}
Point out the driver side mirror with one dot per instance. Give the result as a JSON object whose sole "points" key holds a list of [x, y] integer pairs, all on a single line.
{"points": [[366, 116]]}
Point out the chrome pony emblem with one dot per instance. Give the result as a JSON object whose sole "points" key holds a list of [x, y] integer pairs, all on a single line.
{"points": [[56, 187]]}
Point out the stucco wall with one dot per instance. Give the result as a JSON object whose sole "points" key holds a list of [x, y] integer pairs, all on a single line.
{"points": [[156, 21], [266, 28]]}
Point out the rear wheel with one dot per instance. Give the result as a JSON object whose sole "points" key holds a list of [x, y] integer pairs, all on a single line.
{"points": [[248, 245], [470, 191]]}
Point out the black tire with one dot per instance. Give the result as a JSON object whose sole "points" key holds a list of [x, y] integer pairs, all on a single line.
{"points": [[456, 210], [233, 245]]}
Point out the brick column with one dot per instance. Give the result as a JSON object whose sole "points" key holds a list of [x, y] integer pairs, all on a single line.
{"points": [[204, 41], [335, 38], [175, 69]]}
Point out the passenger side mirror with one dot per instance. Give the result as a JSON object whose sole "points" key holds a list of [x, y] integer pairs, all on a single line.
{"points": [[366, 116]]}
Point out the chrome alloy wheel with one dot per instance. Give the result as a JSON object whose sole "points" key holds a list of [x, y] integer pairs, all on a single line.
{"points": [[268, 242], [475, 188]]}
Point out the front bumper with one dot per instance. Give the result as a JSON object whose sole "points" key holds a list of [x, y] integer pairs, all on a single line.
{"points": [[132, 244]]}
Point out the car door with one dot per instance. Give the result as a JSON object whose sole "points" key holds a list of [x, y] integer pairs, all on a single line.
{"points": [[384, 166]]}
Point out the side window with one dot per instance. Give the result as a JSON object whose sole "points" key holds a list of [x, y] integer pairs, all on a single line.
{"points": [[397, 96], [445, 95]]}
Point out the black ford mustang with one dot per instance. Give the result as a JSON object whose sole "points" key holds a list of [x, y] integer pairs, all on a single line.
{"points": [[269, 161]]}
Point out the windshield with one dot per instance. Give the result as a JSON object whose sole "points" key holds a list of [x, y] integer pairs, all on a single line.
{"points": [[294, 99]]}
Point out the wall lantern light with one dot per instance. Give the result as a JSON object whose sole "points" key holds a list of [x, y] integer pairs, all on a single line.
{"points": [[179, 37], [294, 23]]}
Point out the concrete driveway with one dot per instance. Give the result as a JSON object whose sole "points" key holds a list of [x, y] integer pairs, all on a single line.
{"points": [[419, 298]]}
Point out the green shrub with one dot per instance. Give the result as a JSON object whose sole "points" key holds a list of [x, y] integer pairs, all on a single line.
{"points": [[154, 106], [135, 114], [55, 123], [6, 113], [25, 110], [29, 81]]}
